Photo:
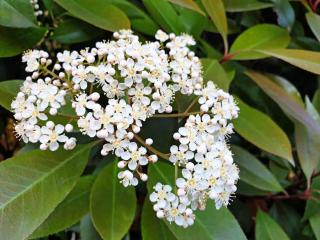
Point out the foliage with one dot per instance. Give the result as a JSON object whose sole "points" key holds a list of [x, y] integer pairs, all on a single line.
{"points": [[267, 53]]}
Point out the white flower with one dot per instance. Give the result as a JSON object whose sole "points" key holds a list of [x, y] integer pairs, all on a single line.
{"points": [[127, 179], [161, 36], [52, 135], [135, 156], [180, 155]]}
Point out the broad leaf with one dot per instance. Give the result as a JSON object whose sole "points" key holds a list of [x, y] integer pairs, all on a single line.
{"points": [[259, 129], [14, 41], [285, 13], [191, 4], [259, 37], [253, 172], [99, 13], [315, 223], [74, 30], [69, 211], [307, 60], [165, 15], [17, 13], [150, 225], [8, 91], [209, 224], [216, 11], [245, 5], [87, 230], [313, 20], [268, 229], [33, 184], [112, 205]]}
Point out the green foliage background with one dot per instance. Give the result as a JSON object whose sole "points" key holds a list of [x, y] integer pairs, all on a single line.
{"points": [[265, 52]]}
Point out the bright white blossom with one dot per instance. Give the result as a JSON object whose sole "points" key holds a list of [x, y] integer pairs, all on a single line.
{"points": [[110, 90]]}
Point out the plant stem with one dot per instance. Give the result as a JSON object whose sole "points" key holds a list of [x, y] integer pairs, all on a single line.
{"points": [[176, 115], [150, 148]]}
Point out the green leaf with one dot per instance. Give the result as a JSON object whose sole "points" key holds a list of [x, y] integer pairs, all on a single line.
{"points": [[245, 5], [140, 21], [73, 30], [14, 41], [33, 184], [209, 224], [190, 4], [17, 13], [69, 211], [213, 71], [248, 190], [150, 225], [315, 223], [268, 229], [259, 37], [313, 20], [285, 101], [8, 91], [308, 148], [216, 11], [253, 172], [87, 230], [259, 129], [316, 100], [164, 14], [285, 13], [112, 205], [99, 13], [307, 60]]}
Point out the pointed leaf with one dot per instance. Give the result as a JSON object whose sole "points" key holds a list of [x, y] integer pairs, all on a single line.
{"points": [[259, 37], [245, 5], [216, 11], [313, 20], [33, 184], [268, 229], [99, 13], [253, 172], [191, 4], [112, 205], [213, 71], [259, 129], [307, 60]]}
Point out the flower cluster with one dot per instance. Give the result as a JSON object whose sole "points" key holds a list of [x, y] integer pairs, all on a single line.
{"points": [[113, 88], [208, 171]]}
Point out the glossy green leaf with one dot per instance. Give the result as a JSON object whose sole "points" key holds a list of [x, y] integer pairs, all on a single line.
{"points": [[307, 60], [213, 71], [259, 37], [313, 20], [99, 13], [17, 13], [259, 129], [73, 30], [150, 225], [285, 101], [248, 190], [215, 10], [14, 41], [140, 21], [209, 224], [112, 205], [268, 229], [69, 211], [33, 184], [190, 4], [8, 90], [245, 5], [253, 172], [165, 15], [315, 223]]}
